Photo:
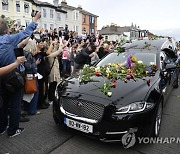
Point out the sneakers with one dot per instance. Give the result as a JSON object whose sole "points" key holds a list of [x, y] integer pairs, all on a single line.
{"points": [[17, 132], [43, 106], [24, 119], [2, 132], [37, 113]]}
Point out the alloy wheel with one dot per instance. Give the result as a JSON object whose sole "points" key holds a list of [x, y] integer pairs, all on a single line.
{"points": [[158, 119]]}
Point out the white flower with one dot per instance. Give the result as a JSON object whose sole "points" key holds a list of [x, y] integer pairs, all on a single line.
{"points": [[97, 69], [85, 66], [109, 94], [140, 62], [108, 70]]}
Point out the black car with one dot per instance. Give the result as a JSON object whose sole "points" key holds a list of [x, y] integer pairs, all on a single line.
{"points": [[134, 105]]}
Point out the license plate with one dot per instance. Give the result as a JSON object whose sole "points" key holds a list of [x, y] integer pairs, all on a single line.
{"points": [[78, 125]]}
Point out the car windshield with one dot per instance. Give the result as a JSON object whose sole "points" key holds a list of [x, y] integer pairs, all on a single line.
{"points": [[145, 58]]}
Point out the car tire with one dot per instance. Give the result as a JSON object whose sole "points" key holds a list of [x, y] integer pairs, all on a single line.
{"points": [[56, 120], [54, 114], [176, 83], [157, 123]]}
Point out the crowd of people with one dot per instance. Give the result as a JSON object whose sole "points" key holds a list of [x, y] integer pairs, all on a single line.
{"points": [[49, 56]]}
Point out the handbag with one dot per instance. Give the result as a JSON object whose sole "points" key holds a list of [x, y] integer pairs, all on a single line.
{"points": [[13, 81], [30, 85]]}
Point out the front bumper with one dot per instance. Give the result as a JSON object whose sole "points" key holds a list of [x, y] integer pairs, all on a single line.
{"points": [[111, 128]]}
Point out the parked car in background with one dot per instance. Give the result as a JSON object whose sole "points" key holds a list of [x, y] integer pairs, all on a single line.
{"points": [[131, 105]]}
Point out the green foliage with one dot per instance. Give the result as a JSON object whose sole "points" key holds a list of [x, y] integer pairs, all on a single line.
{"points": [[113, 72], [120, 49], [147, 46]]}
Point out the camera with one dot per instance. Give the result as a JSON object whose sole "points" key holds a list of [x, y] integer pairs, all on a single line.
{"points": [[33, 13]]}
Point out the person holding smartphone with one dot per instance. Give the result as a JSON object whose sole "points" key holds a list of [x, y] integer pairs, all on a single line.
{"points": [[7, 45], [6, 69]]}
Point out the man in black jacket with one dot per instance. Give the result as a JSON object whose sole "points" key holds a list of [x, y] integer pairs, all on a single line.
{"points": [[84, 57]]}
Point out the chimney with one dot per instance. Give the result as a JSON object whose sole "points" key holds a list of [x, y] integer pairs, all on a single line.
{"points": [[63, 2], [113, 27], [79, 7], [56, 2]]}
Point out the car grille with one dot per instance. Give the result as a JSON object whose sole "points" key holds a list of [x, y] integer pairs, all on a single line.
{"points": [[83, 108]]}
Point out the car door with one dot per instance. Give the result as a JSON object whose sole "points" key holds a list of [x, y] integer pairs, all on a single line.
{"points": [[169, 75], [163, 75]]}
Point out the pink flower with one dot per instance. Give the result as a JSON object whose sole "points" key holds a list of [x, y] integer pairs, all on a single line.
{"points": [[133, 65], [128, 77]]}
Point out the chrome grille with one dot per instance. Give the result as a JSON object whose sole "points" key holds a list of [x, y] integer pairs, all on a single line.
{"points": [[83, 108]]}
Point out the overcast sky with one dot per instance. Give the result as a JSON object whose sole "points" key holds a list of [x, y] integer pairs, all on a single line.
{"points": [[161, 17]]}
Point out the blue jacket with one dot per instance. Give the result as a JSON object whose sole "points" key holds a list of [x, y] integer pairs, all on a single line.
{"points": [[9, 42]]}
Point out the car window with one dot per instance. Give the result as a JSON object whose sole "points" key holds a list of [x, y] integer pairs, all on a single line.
{"points": [[145, 58], [113, 58]]}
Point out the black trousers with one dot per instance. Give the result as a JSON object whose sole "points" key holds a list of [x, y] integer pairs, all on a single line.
{"points": [[41, 99], [51, 90]]}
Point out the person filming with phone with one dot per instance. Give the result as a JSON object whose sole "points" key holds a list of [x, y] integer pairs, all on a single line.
{"points": [[7, 56]]}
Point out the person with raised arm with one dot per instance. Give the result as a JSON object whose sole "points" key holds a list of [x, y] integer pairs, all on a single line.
{"points": [[12, 101]]}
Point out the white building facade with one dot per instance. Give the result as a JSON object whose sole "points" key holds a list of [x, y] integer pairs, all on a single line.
{"points": [[20, 10], [73, 17]]}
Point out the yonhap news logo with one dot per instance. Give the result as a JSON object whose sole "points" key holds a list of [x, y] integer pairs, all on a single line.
{"points": [[129, 140]]}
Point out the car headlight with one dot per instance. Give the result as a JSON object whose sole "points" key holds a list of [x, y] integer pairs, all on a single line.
{"points": [[135, 107]]}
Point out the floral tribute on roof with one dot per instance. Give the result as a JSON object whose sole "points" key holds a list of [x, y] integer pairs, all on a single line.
{"points": [[132, 70]]}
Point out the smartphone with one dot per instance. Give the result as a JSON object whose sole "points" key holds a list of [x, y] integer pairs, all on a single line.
{"points": [[18, 52]]}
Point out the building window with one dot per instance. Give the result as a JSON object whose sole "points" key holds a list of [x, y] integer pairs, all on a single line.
{"points": [[18, 22], [5, 5], [27, 22], [45, 26], [51, 14], [44, 13], [106, 38], [84, 18], [92, 20], [17, 6], [75, 15], [51, 26], [92, 30], [58, 16], [76, 28], [26, 7]]}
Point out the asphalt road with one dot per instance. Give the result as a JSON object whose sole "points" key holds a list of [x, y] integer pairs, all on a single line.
{"points": [[43, 136]]}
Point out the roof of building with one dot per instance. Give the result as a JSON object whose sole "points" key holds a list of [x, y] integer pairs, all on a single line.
{"points": [[46, 4], [110, 31], [114, 29], [88, 13], [64, 5]]}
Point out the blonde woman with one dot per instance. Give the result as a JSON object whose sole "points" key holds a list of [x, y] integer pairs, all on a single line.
{"points": [[53, 52]]}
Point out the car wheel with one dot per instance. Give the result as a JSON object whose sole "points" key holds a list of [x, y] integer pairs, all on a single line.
{"points": [[56, 120], [54, 115], [157, 122], [176, 83]]}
